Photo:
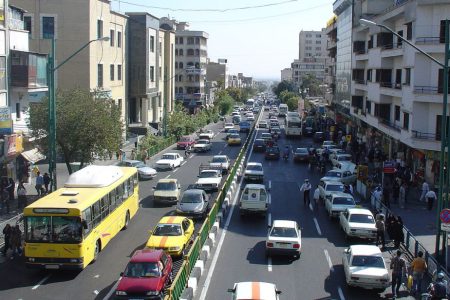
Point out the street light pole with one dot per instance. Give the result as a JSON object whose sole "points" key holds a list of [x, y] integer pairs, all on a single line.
{"points": [[51, 69], [444, 130]]}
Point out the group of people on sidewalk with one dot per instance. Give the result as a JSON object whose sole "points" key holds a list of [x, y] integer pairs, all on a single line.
{"points": [[393, 225], [7, 195], [13, 240]]}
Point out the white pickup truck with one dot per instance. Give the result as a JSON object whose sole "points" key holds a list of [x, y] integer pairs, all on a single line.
{"points": [[209, 180], [338, 202]]}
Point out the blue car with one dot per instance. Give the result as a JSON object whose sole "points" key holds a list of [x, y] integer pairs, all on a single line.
{"points": [[244, 126]]}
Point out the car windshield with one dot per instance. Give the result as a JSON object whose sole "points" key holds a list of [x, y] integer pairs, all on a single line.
{"points": [[301, 151], [138, 164], [191, 198], [343, 201], [208, 174], [273, 150], [51, 229], [361, 218], [219, 159], [335, 188], [167, 230], [266, 135], [254, 168], [333, 174], [229, 125], [168, 156], [185, 139], [234, 136], [368, 261], [259, 142], [283, 232], [343, 158], [202, 142], [142, 269], [166, 186]]}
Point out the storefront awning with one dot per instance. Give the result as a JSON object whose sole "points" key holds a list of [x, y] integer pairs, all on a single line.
{"points": [[33, 155]]}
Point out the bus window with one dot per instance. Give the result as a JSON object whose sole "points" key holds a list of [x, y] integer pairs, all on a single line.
{"points": [[105, 207], [38, 229], [96, 213], [130, 187], [125, 191], [136, 179], [112, 199], [119, 194], [87, 217], [67, 229]]}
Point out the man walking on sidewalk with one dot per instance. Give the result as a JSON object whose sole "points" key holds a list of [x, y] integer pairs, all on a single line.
{"points": [[418, 268], [398, 267], [306, 187], [381, 227], [425, 189], [430, 196]]}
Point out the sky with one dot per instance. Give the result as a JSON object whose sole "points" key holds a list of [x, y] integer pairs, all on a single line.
{"points": [[258, 37]]}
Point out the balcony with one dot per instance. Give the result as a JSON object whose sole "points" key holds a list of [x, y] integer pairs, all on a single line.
{"points": [[428, 40], [425, 135], [391, 85], [431, 90], [390, 124], [28, 70]]}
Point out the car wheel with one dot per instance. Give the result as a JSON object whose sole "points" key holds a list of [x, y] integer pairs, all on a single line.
{"points": [[96, 251], [172, 167], [127, 221]]}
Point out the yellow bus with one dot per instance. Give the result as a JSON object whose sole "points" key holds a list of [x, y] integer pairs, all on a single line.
{"points": [[69, 227]]}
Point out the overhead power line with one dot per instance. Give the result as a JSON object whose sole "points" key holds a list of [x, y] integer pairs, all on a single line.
{"points": [[208, 9]]}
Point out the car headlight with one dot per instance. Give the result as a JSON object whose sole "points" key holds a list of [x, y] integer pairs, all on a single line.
{"points": [[152, 293], [174, 248], [121, 293]]}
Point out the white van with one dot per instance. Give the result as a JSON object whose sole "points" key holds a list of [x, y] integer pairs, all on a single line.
{"points": [[282, 110], [254, 199]]}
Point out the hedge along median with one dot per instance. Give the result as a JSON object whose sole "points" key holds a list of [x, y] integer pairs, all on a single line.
{"points": [[180, 280]]}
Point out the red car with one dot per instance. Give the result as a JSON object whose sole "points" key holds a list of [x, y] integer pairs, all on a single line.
{"points": [[146, 276], [186, 141]]}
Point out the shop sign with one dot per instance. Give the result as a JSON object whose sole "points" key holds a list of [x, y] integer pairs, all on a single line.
{"points": [[5, 120], [389, 167], [11, 145]]}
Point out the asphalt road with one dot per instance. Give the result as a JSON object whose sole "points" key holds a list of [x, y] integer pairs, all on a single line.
{"points": [[318, 274], [97, 280]]}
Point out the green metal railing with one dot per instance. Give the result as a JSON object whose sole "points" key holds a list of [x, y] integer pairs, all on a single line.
{"points": [[180, 281]]}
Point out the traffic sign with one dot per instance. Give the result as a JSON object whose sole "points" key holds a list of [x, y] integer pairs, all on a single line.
{"points": [[444, 215]]}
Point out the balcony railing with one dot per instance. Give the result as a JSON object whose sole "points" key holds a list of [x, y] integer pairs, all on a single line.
{"points": [[359, 111], [390, 124], [423, 89], [360, 51], [360, 81], [391, 46], [428, 40], [425, 135], [391, 85]]}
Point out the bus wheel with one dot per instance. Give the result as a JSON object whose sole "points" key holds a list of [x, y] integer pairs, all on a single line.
{"points": [[96, 251], [127, 221]]}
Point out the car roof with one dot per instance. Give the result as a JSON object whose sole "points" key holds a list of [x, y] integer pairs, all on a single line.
{"points": [[171, 153], [168, 180], [255, 186], [171, 220], [284, 223], [341, 194], [193, 192], [244, 290], [235, 135], [334, 182], [131, 161], [220, 156], [210, 170], [254, 164], [364, 211], [365, 250], [202, 140], [146, 255]]}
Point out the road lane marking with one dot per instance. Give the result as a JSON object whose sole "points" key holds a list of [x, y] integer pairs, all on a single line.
{"points": [[270, 184], [317, 226], [183, 163], [310, 207], [175, 170], [327, 256], [269, 264], [97, 276], [113, 289], [269, 219], [167, 176], [341, 294], [95, 292], [41, 282], [220, 152]]}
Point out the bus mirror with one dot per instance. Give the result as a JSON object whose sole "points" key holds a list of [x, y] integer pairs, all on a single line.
{"points": [[121, 274], [84, 223]]}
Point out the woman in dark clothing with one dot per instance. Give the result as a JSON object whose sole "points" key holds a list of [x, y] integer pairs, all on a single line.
{"points": [[11, 187], [395, 191], [398, 232], [390, 226], [7, 233]]}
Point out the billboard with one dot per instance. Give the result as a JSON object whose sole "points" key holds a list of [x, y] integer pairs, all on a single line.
{"points": [[5, 120]]}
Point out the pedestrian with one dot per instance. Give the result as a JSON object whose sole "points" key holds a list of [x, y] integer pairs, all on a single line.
{"points": [[187, 151], [375, 199], [124, 155], [117, 154], [430, 196], [387, 194], [39, 184], [5, 198], [398, 231], [395, 190], [305, 188], [381, 228], [316, 197], [398, 267], [144, 155], [402, 195], [16, 241], [425, 189], [7, 238], [418, 268], [21, 196], [133, 154], [390, 225], [10, 188], [46, 182]]}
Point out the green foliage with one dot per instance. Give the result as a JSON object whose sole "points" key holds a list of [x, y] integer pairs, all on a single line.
{"points": [[286, 95], [292, 103], [311, 83], [225, 105], [283, 86], [86, 124], [235, 93]]}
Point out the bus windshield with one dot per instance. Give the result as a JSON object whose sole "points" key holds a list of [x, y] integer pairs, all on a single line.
{"points": [[294, 124], [53, 229]]}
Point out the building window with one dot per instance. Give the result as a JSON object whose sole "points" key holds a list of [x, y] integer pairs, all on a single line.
{"points": [[318, 42], [152, 74], [119, 72], [17, 110], [441, 81], [368, 107], [119, 103], [99, 29], [152, 43], [409, 31], [369, 75], [406, 121], [111, 37], [197, 40], [442, 32], [180, 65], [48, 27], [397, 113], [318, 48], [399, 40], [407, 76], [160, 49], [28, 25], [119, 39], [370, 43], [180, 40], [2, 73], [111, 72], [318, 36], [99, 75], [180, 52]]}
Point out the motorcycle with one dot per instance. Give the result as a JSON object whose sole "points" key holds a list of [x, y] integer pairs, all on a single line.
{"points": [[286, 156]]}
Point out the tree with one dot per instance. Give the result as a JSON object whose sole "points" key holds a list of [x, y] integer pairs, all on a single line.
{"points": [[225, 104], [285, 95], [292, 103], [87, 124], [283, 86], [235, 93], [311, 83]]}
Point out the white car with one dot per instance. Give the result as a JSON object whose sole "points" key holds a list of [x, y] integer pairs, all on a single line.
{"points": [[250, 117], [364, 267], [254, 172], [207, 134], [337, 158], [209, 180], [338, 202], [327, 187], [344, 176], [144, 171], [254, 290], [284, 237], [202, 145], [327, 143], [228, 126], [169, 161], [359, 223], [220, 161], [254, 200], [263, 124]]}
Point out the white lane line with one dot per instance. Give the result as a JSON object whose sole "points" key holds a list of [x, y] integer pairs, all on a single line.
{"points": [[310, 207], [191, 156], [341, 294], [167, 176], [270, 184], [97, 276], [113, 289], [222, 238], [183, 163], [174, 171], [95, 292], [317, 226], [269, 219], [220, 152], [41, 282], [269, 264], [327, 256]]}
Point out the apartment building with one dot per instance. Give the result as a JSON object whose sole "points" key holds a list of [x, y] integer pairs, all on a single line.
{"points": [[218, 72], [102, 64], [312, 44], [330, 65], [286, 74], [149, 72], [396, 90], [314, 66]]}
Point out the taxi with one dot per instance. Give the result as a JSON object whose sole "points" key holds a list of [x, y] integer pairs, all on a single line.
{"points": [[234, 139], [172, 234], [254, 291]]}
